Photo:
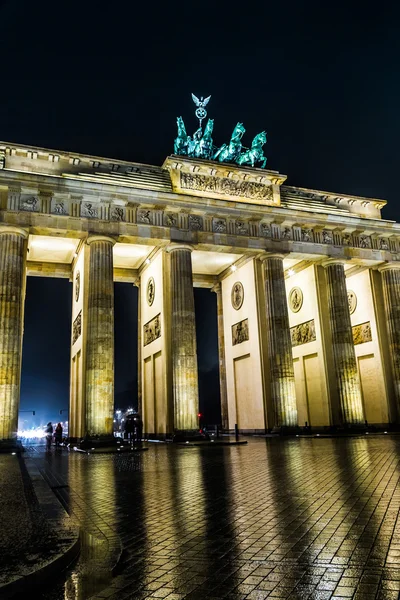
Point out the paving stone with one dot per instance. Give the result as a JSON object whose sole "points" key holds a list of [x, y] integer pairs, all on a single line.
{"points": [[274, 519]]}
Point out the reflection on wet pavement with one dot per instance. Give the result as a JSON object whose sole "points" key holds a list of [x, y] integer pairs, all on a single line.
{"points": [[300, 518]]}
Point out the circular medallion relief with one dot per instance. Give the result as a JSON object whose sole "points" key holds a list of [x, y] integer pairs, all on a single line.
{"points": [[352, 298], [150, 291], [295, 299], [77, 285], [237, 295]]}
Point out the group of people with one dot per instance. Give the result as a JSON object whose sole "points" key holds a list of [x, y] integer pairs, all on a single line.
{"points": [[58, 435]]}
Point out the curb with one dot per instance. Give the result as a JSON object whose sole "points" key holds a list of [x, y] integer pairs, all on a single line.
{"points": [[54, 514]]}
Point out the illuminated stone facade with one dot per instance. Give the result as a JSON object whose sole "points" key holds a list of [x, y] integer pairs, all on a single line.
{"points": [[307, 284]]}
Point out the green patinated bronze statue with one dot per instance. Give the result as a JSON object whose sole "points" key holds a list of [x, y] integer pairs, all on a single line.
{"points": [[201, 144], [255, 154], [231, 152]]}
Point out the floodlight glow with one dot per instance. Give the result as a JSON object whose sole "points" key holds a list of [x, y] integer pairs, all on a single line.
{"points": [[290, 272]]}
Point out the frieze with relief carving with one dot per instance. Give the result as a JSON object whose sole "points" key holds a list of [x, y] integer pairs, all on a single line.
{"points": [[383, 244], [195, 223], [77, 327], [59, 208], [327, 237], [303, 333], [89, 210], [152, 330], [240, 332], [29, 203], [362, 333], [171, 220], [365, 241], [241, 228], [144, 216], [225, 187], [117, 213], [286, 233], [219, 225], [265, 229]]}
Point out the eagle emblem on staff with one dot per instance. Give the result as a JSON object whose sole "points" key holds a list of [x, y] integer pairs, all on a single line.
{"points": [[201, 104]]}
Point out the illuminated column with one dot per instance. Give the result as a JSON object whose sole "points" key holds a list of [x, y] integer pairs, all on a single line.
{"points": [[100, 338], [391, 292], [221, 356], [183, 340], [13, 249], [139, 351], [348, 382], [279, 343]]}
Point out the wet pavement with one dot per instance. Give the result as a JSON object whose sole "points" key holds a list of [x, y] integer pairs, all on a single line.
{"points": [[292, 518]]}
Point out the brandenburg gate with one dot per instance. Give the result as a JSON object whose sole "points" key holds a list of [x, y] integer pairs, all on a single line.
{"points": [[307, 285]]}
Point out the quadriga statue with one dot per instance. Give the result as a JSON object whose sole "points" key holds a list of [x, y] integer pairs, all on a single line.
{"points": [[255, 155], [231, 152]]}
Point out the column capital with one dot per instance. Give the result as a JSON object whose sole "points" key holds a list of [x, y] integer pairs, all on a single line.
{"points": [[100, 238], [176, 246], [266, 256], [389, 266], [216, 287], [329, 262], [12, 229]]}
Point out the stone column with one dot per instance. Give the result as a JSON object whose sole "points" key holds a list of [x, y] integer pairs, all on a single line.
{"points": [[221, 355], [100, 338], [139, 351], [279, 343], [183, 340], [13, 250], [348, 383], [391, 293]]}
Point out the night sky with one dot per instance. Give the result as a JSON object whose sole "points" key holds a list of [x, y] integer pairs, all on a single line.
{"points": [[322, 80]]}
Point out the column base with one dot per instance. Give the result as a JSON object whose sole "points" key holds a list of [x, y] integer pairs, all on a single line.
{"points": [[7, 446], [190, 435], [353, 428], [97, 441], [287, 430]]}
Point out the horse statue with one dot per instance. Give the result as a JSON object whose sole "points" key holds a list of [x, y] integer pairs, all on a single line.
{"points": [[204, 147], [230, 152], [255, 154], [182, 141]]}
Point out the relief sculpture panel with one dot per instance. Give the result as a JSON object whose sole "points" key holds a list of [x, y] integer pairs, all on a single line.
{"points": [[77, 327], [362, 333], [223, 186], [240, 332], [152, 330], [303, 333]]}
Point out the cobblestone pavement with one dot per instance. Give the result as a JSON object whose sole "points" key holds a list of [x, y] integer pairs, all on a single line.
{"points": [[299, 518], [25, 537]]}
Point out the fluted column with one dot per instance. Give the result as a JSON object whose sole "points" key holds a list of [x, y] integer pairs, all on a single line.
{"points": [[221, 355], [279, 343], [100, 338], [183, 338], [139, 351], [391, 293], [13, 249], [347, 378]]}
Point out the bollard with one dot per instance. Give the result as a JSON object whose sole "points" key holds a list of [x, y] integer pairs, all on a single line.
{"points": [[236, 432]]}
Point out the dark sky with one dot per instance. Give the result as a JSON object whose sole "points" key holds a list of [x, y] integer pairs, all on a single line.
{"points": [[321, 78]]}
